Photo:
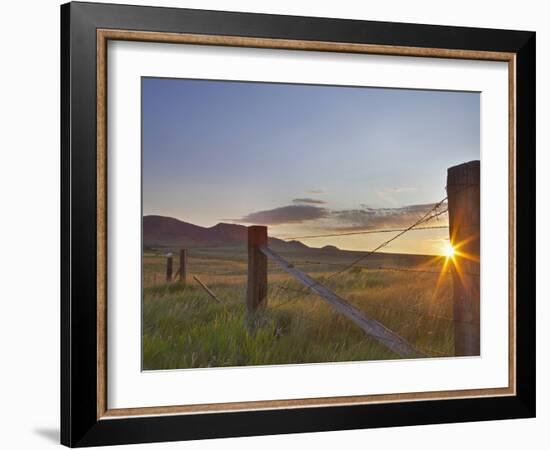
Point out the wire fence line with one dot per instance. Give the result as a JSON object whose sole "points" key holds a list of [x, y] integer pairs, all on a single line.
{"points": [[352, 233], [394, 269], [403, 269], [160, 252], [431, 214]]}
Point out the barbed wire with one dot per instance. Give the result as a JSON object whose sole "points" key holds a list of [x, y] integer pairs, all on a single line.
{"points": [[426, 218], [404, 269], [162, 253], [396, 269], [290, 300], [429, 215], [352, 233]]}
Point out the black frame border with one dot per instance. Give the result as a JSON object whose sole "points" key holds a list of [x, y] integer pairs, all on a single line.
{"points": [[79, 423]]}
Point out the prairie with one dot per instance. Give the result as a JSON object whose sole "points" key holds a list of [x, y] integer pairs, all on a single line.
{"points": [[183, 327]]}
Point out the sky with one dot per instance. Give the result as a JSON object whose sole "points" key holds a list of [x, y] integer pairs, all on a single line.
{"points": [[305, 159]]}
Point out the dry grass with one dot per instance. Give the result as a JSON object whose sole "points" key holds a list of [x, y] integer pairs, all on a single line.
{"points": [[184, 328]]}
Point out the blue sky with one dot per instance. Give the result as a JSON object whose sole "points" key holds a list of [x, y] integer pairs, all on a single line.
{"points": [[303, 159]]}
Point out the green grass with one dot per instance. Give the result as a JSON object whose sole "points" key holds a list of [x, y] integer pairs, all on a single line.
{"points": [[183, 327]]}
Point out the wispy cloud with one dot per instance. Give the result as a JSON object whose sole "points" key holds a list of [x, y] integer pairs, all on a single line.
{"points": [[369, 218], [390, 194], [285, 215], [363, 218], [316, 191], [398, 190], [308, 200]]}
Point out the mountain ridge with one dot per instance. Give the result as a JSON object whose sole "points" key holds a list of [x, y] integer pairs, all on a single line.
{"points": [[165, 231]]}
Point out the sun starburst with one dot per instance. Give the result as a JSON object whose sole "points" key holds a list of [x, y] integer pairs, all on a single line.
{"points": [[448, 250]]}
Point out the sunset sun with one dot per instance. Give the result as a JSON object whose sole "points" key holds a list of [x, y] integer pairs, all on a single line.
{"points": [[448, 250]]}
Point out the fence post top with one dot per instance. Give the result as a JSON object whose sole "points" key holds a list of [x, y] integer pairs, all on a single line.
{"points": [[466, 173], [257, 228], [470, 164], [257, 235]]}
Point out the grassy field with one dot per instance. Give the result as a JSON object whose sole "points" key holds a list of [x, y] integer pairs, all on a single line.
{"points": [[183, 327]]}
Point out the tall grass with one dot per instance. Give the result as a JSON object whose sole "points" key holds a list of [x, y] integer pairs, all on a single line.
{"points": [[183, 327]]}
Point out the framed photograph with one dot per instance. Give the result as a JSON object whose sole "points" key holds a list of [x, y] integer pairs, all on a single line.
{"points": [[277, 224]]}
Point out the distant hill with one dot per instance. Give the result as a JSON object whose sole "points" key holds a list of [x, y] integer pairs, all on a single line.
{"points": [[168, 232]]}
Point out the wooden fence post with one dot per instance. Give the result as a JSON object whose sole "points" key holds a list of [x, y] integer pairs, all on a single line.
{"points": [[169, 261], [183, 266], [464, 231], [256, 293]]}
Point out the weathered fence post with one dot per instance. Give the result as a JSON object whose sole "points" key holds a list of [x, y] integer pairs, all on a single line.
{"points": [[169, 261], [464, 231], [183, 266], [256, 293]]}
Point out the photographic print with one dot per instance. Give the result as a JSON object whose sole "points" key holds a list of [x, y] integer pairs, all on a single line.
{"points": [[297, 224]]}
